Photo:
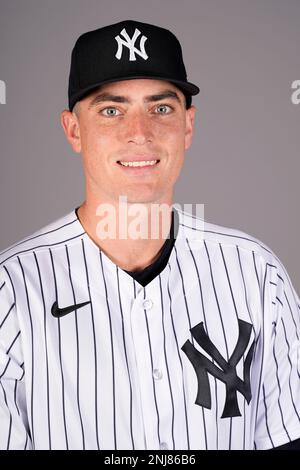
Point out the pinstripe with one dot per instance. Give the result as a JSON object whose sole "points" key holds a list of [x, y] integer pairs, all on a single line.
{"points": [[292, 316], [7, 315], [77, 351], [16, 405], [217, 300], [32, 355], [12, 285], [279, 387], [184, 294], [30, 250], [228, 235], [261, 336], [60, 356], [244, 430], [182, 376], [95, 345], [5, 368], [126, 358], [245, 288], [217, 415], [279, 277], [255, 268], [25, 240], [221, 318], [112, 353], [266, 416], [166, 360], [15, 339], [10, 418], [205, 324], [251, 319], [291, 367], [228, 280], [296, 330], [17, 408], [151, 358], [15, 397], [26, 442], [234, 304], [296, 299], [46, 350]]}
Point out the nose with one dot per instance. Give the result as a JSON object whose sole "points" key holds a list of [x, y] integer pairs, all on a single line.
{"points": [[139, 128]]}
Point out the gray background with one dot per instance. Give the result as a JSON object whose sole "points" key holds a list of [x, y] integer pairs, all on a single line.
{"points": [[244, 162]]}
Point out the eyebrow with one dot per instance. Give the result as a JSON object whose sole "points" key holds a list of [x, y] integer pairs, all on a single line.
{"points": [[104, 97]]}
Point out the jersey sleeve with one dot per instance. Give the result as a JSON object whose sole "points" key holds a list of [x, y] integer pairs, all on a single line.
{"points": [[278, 411], [14, 432]]}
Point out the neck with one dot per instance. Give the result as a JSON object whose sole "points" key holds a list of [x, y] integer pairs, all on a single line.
{"points": [[131, 235]]}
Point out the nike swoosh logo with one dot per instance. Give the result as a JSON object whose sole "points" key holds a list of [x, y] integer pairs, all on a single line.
{"points": [[60, 312]]}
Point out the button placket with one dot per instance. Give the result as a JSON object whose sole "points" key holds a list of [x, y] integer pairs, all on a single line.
{"points": [[163, 446], [157, 374], [147, 304]]}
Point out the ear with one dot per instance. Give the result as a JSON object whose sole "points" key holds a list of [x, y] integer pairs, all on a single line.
{"points": [[189, 125], [70, 125]]}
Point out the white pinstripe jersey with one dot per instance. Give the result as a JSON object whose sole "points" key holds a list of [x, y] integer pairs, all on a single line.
{"points": [[112, 374]]}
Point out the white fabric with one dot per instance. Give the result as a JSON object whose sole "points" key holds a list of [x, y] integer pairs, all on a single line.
{"points": [[112, 374]]}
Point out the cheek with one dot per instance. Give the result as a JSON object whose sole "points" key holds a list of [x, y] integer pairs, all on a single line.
{"points": [[174, 137], [90, 139], [92, 154], [96, 143]]}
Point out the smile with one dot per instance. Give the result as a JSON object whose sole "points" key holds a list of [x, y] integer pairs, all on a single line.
{"points": [[139, 163]]}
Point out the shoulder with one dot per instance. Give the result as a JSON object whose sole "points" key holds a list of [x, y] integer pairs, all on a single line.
{"points": [[238, 247], [63, 229], [209, 233]]}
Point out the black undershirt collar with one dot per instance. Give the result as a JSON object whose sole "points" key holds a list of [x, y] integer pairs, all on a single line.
{"points": [[150, 272], [145, 276]]}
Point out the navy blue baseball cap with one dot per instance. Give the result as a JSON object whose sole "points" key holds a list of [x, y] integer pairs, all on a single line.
{"points": [[123, 51]]}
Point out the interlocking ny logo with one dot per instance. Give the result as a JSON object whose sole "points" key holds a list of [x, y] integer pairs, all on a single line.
{"points": [[130, 43], [227, 373]]}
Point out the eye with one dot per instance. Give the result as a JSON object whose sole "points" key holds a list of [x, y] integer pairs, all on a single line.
{"points": [[109, 112], [163, 109]]}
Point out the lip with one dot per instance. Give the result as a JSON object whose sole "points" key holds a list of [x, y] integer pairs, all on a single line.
{"points": [[138, 158], [143, 170]]}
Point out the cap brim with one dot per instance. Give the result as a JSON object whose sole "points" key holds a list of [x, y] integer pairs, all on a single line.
{"points": [[185, 87]]}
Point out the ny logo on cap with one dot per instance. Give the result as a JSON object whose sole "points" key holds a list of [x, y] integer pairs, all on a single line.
{"points": [[130, 43]]}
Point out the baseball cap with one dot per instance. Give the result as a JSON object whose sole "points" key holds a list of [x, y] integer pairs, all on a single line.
{"points": [[123, 51]]}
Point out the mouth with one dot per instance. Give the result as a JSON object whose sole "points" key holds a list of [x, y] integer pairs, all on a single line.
{"points": [[137, 163], [138, 166]]}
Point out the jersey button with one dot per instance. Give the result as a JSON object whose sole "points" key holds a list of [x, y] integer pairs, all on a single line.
{"points": [[163, 446], [147, 304], [157, 374]]}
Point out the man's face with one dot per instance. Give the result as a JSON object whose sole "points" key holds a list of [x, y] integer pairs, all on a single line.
{"points": [[125, 121]]}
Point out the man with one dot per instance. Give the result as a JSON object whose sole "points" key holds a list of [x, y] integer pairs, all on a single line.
{"points": [[185, 341]]}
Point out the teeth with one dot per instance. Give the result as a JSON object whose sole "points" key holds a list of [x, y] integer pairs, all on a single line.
{"points": [[143, 163]]}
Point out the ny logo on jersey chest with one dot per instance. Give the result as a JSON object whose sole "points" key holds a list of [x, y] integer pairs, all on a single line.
{"points": [[130, 44], [226, 372]]}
